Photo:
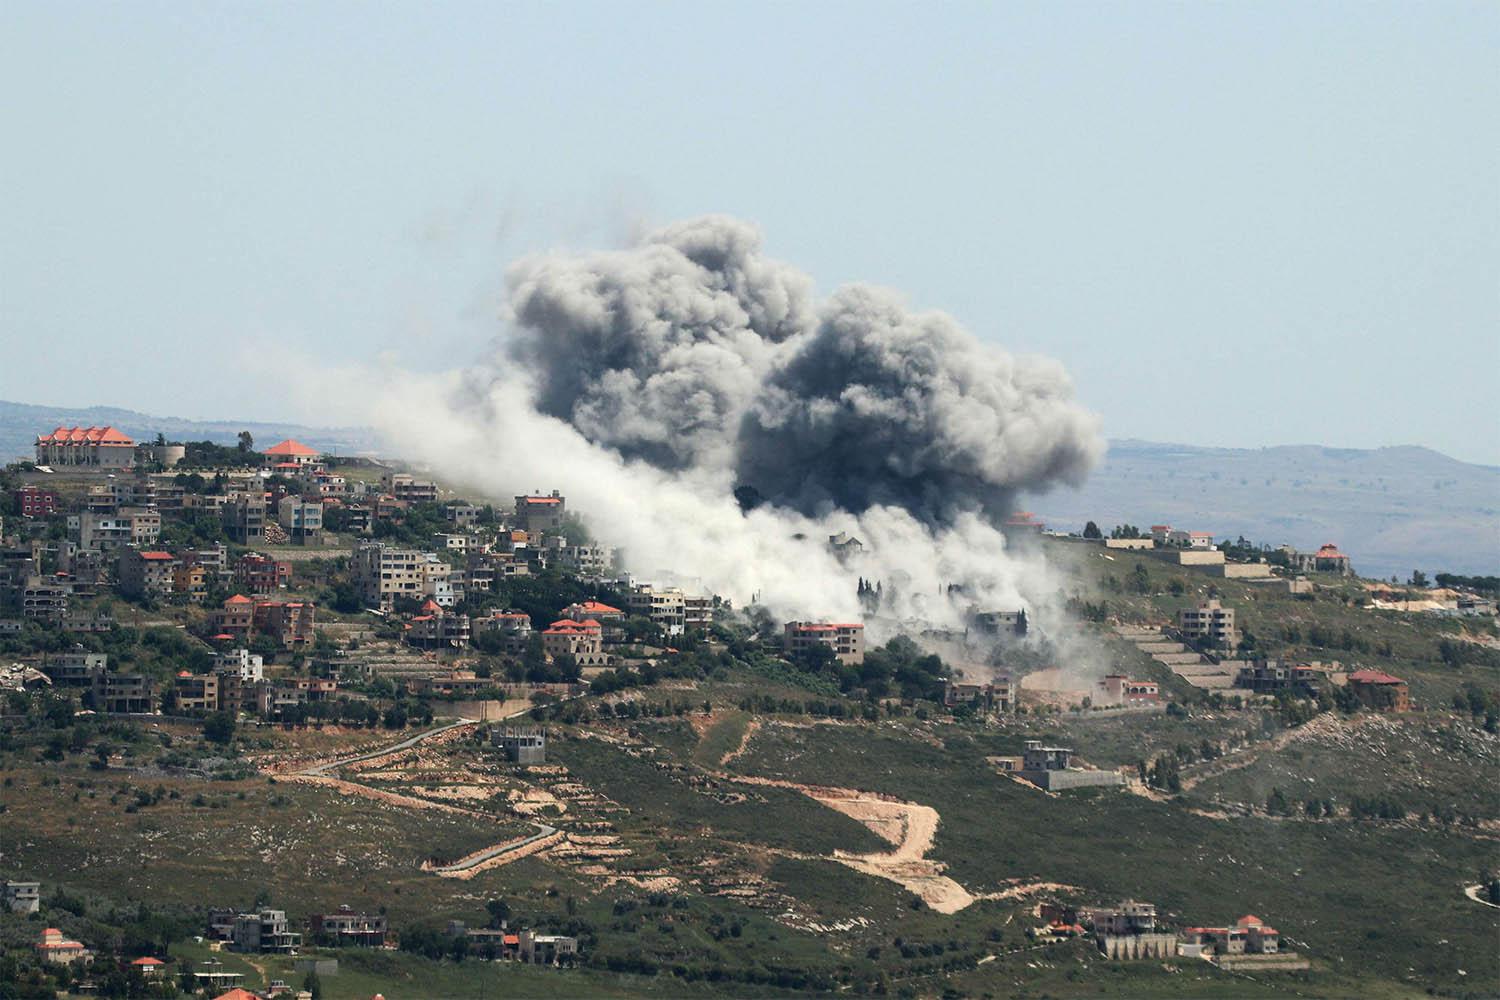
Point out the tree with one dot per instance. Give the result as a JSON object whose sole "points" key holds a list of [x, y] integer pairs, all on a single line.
{"points": [[1091, 530], [219, 728], [313, 984], [499, 911], [246, 442]]}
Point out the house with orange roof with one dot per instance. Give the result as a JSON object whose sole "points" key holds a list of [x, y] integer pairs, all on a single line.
{"points": [[435, 627], [85, 448], [151, 968], [55, 946], [584, 641], [541, 513], [145, 574], [292, 455]]}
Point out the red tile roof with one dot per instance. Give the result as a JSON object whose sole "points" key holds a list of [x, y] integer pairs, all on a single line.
{"points": [[542, 499], [86, 435], [1373, 677], [148, 960], [239, 599], [290, 447], [156, 555]]}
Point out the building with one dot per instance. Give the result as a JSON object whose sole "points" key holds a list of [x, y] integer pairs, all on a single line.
{"points": [[149, 967], [244, 518], [75, 669], [522, 744], [463, 515], [1022, 523], [1117, 689], [997, 623], [610, 619], [56, 947], [291, 455], [190, 580], [36, 502], [1249, 935], [665, 607], [1328, 559], [1038, 757], [541, 513], [1049, 768], [845, 545], [1380, 691], [86, 447], [437, 628], [102, 532], [997, 696], [197, 692], [408, 489], [22, 897], [547, 949], [383, 573], [1210, 620], [235, 617], [247, 666], [697, 613], [165, 455], [264, 932], [146, 574], [514, 628], [302, 520], [846, 639], [124, 694], [583, 641], [346, 927], [260, 574], [1200, 540], [1267, 676], [45, 598], [291, 623]]}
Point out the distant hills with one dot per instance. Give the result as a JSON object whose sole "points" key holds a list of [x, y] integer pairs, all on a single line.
{"points": [[1392, 509], [20, 423]]}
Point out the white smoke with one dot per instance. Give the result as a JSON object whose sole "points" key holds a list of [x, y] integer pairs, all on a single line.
{"points": [[648, 384]]}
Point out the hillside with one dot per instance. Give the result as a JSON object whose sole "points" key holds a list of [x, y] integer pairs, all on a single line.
{"points": [[21, 422], [1392, 509]]}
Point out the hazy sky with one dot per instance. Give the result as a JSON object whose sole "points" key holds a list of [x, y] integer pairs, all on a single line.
{"points": [[1236, 224]]}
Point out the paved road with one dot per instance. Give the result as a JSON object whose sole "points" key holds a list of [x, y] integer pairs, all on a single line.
{"points": [[321, 770]]}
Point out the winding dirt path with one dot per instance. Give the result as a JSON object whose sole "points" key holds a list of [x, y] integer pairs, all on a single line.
{"points": [[908, 826]]}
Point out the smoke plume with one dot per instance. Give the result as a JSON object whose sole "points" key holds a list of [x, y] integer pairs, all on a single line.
{"points": [[650, 383]]}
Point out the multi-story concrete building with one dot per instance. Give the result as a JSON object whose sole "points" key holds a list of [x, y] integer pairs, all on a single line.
{"points": [[1209, 620], [666, 607], [235, 617], [541, 513], [245, 665], [244, 518], [846, 639], [409, 489], [190, 580], [437, 628], [347, 927], [45, 598], [85, 447], [302, 520], [995, 696], [146, 574], [37, 502], [522, 744], [22, 897], [260, 574], [697, 613], [103, 532], [75, 669], [197, 692], [124, 694], [264, 932], [291, 623], [383, 573], [464, 515], [513, 627]]}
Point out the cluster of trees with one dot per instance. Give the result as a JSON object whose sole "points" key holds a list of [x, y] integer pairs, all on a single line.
{"points": [[1479, 584], [207, 455], [1163, 773], [900, 667]]}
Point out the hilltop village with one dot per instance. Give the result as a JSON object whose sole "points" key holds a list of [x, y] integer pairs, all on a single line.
{"points": [[279, 722]]}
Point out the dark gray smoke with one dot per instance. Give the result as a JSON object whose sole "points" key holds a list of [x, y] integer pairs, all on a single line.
{"points": [[883, 406], [693, 351], [656, 350]]}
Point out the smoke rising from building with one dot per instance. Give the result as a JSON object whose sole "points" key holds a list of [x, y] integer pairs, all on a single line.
{"points": [[650, 383]]}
